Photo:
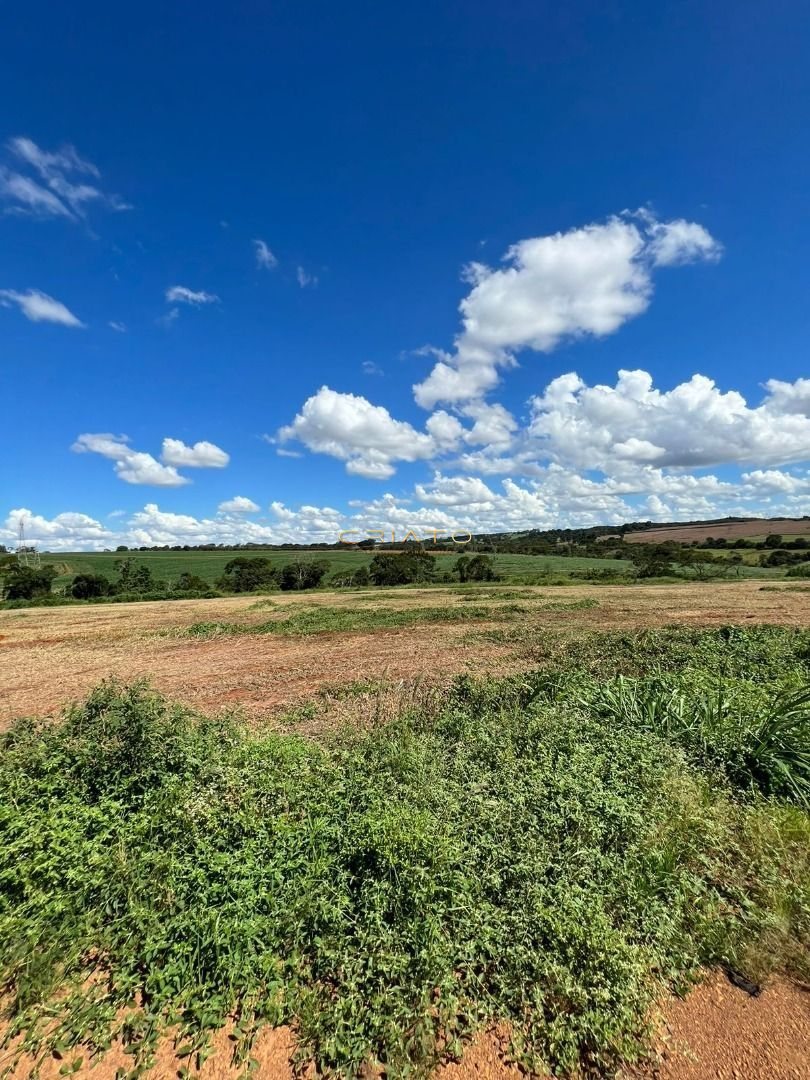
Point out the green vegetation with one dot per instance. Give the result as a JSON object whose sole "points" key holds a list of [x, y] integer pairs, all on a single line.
{"points": [[20, 582], [171, 575], [553, 851], [210, 565], [244, 574], [321, 620]]}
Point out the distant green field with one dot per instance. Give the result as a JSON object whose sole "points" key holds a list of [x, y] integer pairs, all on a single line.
{"points": [[168, 565]]}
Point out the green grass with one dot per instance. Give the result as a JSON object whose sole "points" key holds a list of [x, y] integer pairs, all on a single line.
{"points": [[209, 565], [530, 850]]}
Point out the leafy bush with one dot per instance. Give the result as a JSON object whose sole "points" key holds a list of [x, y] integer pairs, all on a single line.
{"points": [[187, 582], [476, 568]]}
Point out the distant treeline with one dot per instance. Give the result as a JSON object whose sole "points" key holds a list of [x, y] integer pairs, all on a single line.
{"points": [[22, 585]]}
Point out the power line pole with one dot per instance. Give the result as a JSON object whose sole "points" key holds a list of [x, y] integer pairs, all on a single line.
{"points": [[27, 554]]}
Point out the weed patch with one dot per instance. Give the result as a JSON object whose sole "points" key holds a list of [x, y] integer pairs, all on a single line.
{"points": [[519, 850], [323, 620]]}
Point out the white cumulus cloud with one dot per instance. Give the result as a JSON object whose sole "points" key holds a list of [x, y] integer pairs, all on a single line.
{"points": [[131, 466], [202, 455], [693, 425], [365, 436], [587, 281], [239, 504]]}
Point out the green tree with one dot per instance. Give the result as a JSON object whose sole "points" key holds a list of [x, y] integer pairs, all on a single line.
{"points": [[244, 574], [85, 586], [303, 575], [133, 578], [651, 560], [345, 579], [773, 540], [481, 568], [191, 583], [25, 582], [360, 576], [406, 568], [702, 564]]}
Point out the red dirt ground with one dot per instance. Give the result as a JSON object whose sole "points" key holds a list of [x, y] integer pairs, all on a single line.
{"points": [[717, 1033], [49, 656]]}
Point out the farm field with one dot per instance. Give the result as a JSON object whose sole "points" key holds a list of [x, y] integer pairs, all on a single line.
{"points": [[448, 829], [755, 529], [192, 652], [209, 565]]}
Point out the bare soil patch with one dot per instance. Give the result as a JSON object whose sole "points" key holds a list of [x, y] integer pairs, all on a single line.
{"points": [[721, 1032], [49, 656]]}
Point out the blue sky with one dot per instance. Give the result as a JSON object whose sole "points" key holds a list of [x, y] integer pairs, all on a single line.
{"points": [[601, 187]]}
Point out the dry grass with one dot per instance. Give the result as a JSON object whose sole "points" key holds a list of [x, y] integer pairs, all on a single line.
{"points": [[52, 655]]}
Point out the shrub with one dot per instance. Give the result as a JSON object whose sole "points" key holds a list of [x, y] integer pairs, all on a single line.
{"points": [[477, 568]]}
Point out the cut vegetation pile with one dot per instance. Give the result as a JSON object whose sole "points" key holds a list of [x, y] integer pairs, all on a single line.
{"points": [[550, 851], [322, 620]]}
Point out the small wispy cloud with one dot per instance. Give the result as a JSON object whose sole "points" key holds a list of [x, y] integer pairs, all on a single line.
{"points": [[265, 259], [119, 327], [370, 368], [179, 294], [53, 183], [304, 278], [170, 317], [37, 306]]}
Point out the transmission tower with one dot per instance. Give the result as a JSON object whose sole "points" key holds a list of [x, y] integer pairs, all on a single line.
{"points": [[27, 554]]}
